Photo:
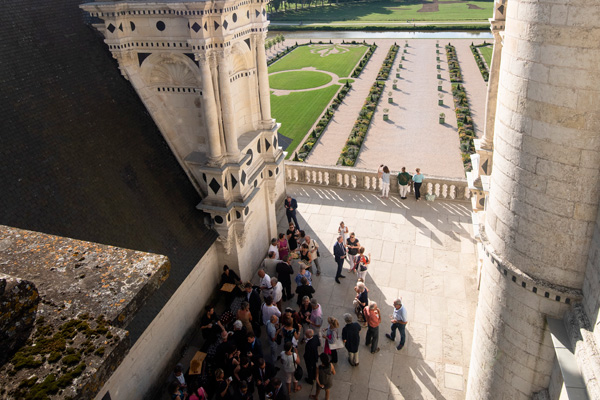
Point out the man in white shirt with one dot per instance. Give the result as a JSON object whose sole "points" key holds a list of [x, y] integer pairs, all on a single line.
{"points": [[265, 283], [399, 322], [277, 292], [269, 309]]}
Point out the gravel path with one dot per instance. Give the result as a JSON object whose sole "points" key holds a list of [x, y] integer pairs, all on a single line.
{"points": [[328, 148], [413, 137]]}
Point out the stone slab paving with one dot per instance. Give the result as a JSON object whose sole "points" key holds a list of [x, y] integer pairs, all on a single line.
{"points": [[413, 137], [475, 86], [422, 252], [327, 150]]}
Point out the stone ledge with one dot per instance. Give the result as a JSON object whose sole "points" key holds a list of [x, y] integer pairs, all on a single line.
{"points": [[88, 293]]}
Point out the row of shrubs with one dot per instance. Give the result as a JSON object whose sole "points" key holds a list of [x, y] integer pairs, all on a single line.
{"points": [[453, 66], [464, 121], [483, 67], [361, 126], [386, 67], [322, 124], [363, 62]]}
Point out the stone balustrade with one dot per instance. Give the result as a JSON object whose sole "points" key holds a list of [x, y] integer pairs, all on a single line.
{"points": [[366, 180]]}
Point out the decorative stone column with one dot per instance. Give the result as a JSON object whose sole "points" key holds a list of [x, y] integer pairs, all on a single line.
{"points": [[210, 109], [543, 197], [263, 79], [227, 106]]}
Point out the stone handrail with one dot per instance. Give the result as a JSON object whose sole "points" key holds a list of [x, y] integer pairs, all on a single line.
{"points": [[366, 180]]}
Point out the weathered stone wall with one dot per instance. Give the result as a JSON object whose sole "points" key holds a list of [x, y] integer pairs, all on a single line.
{"points": [[147, 362], [591, 285], [18, 304], [543, 199]]}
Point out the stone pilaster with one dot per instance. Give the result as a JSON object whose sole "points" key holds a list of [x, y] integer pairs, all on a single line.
{"points": [[263, 80], [227, 108], [210, 110], [497, 26], [544, 192]]}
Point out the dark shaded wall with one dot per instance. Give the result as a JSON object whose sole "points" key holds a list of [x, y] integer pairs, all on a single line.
{"points": [[79, 155]]}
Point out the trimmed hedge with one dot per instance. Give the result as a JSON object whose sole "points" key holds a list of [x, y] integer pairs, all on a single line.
{"points": [[464, 121], [483, 67], [308, 145]]}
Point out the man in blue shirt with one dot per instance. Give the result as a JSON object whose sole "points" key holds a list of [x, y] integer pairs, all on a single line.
{"points": [[399, 322]]}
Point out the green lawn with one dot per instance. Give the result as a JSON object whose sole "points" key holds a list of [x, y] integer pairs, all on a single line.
{"points": [[389, 11], [339, 59], [298, 111], [295, 80], [486, 52]]}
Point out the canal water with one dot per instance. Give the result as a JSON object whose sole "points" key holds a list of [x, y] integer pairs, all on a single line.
{"points": [[352, 35]]}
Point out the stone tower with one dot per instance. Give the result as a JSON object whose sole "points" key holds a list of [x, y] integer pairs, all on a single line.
{"points": [[543, 201], [200, 69]]}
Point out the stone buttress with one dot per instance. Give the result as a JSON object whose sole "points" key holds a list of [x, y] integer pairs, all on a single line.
{"points": [[200, 69], [543, 199]]}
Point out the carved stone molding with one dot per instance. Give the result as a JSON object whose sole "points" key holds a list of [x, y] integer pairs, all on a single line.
{"points": [[170, 71]]}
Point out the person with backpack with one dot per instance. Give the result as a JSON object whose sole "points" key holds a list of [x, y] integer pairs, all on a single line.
{"points": [[404, 179]]}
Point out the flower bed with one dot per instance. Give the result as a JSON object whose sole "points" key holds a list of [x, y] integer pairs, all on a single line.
{"points": [[453, 66], [363, 62], [316, 133], [386, 67], [483, 67], [361, 126], [464, 121]]}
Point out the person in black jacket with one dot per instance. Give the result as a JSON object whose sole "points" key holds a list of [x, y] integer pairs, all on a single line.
{"points": [[304, 290], [351, 338], [278, 391], [284, 275], [263, 373], [253, 298], [311, 355], [290, 210]]}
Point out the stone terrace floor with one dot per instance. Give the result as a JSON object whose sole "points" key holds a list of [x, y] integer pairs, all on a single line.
{"points": [[422, 252]]}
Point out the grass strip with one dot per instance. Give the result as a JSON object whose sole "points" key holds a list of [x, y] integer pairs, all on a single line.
{"points": [[483, 65], [389, 11], [464, 121]]}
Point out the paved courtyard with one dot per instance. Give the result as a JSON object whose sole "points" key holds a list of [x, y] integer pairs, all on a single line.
{"points": [[422, 252]]}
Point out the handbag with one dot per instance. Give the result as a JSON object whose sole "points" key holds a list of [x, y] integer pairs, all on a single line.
{"points": [[337, 344], [298, 372]]}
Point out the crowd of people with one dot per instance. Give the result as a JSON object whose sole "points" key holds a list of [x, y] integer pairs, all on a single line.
{"points": [[237, 365]]}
